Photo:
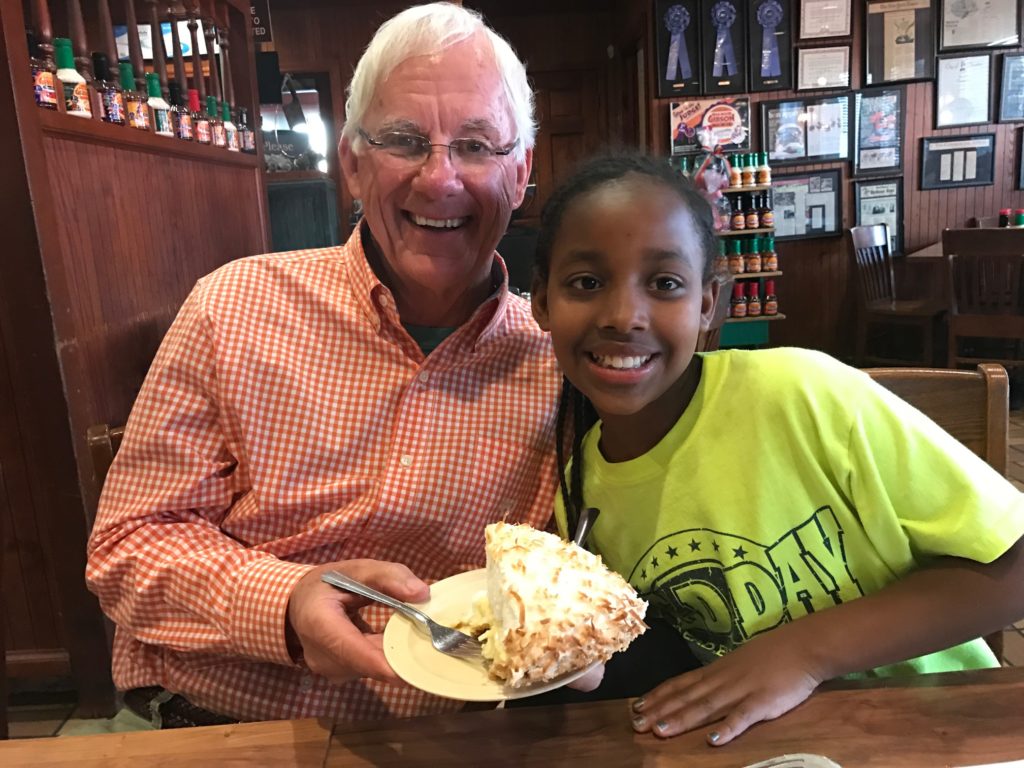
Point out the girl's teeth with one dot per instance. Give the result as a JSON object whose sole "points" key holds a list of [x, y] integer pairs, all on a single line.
{"points": [[423, 221], [621, 362]]}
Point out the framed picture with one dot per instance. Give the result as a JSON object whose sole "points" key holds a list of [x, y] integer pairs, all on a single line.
{"points": [[823, 68], [811, 130], [979, 24], [807, 205], [878, 126], [677, 38], [880, 201], [1020, 161], [963, 90], [709, 123], [825, 18], [770, 45], [899, 41], [1011, 94], [723, 46], [957, 161]]}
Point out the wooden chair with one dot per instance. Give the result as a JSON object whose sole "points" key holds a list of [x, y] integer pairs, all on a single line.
{"points": [[872, 262], [708, 340], [973, 406], [986, 296], [103, 442]]}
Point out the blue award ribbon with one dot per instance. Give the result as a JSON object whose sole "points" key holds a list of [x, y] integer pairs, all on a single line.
{"points": [[677, 19], [723, 16], [769, 16]]}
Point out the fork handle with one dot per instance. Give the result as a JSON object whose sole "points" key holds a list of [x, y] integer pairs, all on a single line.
{"points": [[347, 583]]}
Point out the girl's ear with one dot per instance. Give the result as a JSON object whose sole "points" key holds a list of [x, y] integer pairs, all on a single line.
{"points": [[708, 302], [539, 302]]}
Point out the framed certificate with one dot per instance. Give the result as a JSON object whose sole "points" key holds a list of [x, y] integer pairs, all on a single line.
{"points": [[963, 90], [825, 18], [770, 45], [979, 24], [1011, 93], [878, 131], [807, 205], [819, 69], [811, 130], [880, 201], [958, 161], [724, 46], [677, 38], [899, 41]]}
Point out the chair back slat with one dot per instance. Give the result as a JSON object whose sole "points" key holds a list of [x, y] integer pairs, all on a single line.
{"points": [[873, 261]]}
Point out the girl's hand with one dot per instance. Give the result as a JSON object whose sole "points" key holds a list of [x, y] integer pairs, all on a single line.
{"points": [[761, 680]]}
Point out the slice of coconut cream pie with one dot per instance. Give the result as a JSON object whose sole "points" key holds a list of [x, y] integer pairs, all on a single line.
{"points": [[551, 607]]}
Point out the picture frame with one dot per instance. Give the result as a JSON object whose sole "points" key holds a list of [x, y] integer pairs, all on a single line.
{"points": [[967, 160], [814, 129], [1020, 161], [963, 90], [822, 69], [979, 24], [880, 201], [723, 47], [825, 18], [724, 121], [770, 45], [808, 205], [1011, 90], [878, 129], [677, 43], [899, 41]]}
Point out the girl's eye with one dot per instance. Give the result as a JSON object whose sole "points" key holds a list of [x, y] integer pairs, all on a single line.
{"points": [[666, 283], [585, 283]]}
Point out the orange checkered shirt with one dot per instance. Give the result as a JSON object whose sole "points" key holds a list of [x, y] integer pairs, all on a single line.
{"points": [[290, 420]]}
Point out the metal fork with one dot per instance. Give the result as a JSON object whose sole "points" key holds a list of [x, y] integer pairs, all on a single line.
{"points": [[445, 639]]}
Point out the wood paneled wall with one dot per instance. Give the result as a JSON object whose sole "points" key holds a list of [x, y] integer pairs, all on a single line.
{"points": [[106, 229], [816, 291]]}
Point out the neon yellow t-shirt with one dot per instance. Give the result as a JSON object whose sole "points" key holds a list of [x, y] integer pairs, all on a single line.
{"points": [[790, 484]]}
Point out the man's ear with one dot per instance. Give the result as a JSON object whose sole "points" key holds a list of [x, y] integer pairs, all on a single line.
{"points": [[539, 302], [708, 301], [349, 161], [523, 170]]}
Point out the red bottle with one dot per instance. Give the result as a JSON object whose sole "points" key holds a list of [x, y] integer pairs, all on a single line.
{"points": [[738, 305], [753, 299], [771, 302]]}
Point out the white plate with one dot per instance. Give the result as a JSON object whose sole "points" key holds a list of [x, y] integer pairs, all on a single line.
{"points": [[408, 649]]}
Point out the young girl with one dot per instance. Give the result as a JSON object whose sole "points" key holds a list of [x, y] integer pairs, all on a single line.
{"points": [[791, 519]]}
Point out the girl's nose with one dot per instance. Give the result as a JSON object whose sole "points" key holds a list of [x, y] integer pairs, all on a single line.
{"points": [[624, 311], [438, 176]]}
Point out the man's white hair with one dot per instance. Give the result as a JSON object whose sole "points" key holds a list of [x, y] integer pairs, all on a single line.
{"points": [[425, 30]]}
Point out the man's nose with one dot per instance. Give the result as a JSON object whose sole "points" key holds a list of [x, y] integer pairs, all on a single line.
{"points": [[438, 174], [624, 310]]}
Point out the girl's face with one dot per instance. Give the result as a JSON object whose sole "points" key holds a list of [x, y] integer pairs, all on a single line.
{"points": [[624, 303]]}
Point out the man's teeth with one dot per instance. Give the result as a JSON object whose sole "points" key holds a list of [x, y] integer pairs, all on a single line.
{"points": [[621, 362], [423, 221]]}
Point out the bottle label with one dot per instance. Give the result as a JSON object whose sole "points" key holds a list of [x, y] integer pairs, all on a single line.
{"points": [[770, 263], [46, 91], [753, 308], [748, 177], [736, 264], [248, 140], [739, 308], [752, 220], [137, 117], [113, 106], [771, 307], [185, 126], [739, 221], [764, 176], [203, 131], [753, 263], [76, 99], [162, 122], [220, 138], [232, 139], [767, 218]]}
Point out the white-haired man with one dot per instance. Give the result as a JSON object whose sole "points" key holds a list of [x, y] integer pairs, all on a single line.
{"points": [[366, 408]]}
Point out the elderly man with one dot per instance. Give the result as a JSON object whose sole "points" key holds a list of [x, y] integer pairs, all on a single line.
{"points": [[367, 408]]}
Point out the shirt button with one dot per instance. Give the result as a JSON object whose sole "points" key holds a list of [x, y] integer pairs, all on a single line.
{"points": [[306, 683], [424, 377], [406, 461]]}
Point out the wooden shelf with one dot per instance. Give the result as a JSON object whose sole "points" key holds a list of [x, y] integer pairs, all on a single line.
{"points": [[739, 232], [124, 136], [753, 275], [761, 318], [739, 190]]}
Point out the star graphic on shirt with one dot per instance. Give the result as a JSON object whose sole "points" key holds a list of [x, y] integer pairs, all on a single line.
{"points": [[672, 553], [654, 562], [643, 574], [740, 552], [694, 545], [715, 545]]}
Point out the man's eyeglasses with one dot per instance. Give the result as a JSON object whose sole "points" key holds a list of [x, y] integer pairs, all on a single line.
{"points": [[414, 149]]}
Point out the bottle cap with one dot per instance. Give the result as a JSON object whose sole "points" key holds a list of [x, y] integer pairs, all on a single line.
{"points": [[737, 290], [153, 84], [1004, 211], [62, 49], [1019, 211], [211, 106], [225, 112], [127, 76], [193, 100], [174, 93], [100, 65]]}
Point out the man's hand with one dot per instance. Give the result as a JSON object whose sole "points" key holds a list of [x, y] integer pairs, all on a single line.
{"points": [[761, 680], [334, 642]]}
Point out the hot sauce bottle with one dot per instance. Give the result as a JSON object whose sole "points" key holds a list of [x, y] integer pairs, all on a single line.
{"points": [[247, 133], [753, 299], [735, 261], [44, 75], [769, 259], [721, 263], [220, 138], [159, 110], [752, 216], [181, 118], [109, 94], [739, 218], [230, 129], [752, 259], [764, 171], [771, 302], [76, 90], [748, 172], [767, 214], [738, 305], [735, 175], [135, 103], [200, 122]]}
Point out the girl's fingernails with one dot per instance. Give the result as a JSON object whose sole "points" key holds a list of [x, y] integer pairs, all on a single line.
{"points": [[638, 704], [661, 725], [639, 722], [714, 736]]}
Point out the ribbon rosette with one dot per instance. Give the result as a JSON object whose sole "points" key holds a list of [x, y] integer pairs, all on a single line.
{"points": [[769, 16], [677, 19], [723, 16]]}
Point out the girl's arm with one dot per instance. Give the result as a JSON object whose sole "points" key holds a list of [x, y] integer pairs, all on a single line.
{"points": [[950, 602]]}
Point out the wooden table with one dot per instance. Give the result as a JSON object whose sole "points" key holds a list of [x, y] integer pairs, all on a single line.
{"points": [[955, 719]]}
